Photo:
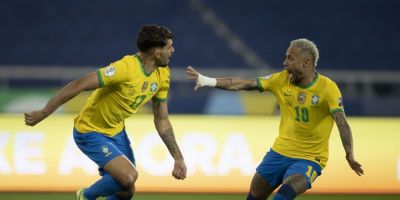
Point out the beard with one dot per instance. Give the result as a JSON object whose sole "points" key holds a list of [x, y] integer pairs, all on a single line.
{"points": [[161, 63], [295, 77]]}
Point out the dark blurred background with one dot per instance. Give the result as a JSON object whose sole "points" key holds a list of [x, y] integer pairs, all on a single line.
{"points": [[45, 44]]}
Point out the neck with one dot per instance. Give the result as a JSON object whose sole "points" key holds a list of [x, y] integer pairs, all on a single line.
{"points": [[148, 62], [309, 78]]}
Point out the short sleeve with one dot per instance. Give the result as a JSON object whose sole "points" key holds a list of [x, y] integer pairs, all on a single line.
{"points": [[334, 98], [265, 83], [162, 94], [114, 73]]}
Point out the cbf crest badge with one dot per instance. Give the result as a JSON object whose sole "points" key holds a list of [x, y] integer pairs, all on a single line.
{"points": [[144, 86], [153, 87], [315, 99], [301, 97], [106, 151]]}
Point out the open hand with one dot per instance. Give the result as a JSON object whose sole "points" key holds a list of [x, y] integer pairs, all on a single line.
{"points": [[354, 164], [192, 74]]}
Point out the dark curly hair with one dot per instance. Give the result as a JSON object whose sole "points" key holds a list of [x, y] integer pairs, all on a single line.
{"points": [[153, 36]]}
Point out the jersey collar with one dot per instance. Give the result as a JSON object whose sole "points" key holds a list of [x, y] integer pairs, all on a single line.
{"points": [[308, 85], [142, 65]]}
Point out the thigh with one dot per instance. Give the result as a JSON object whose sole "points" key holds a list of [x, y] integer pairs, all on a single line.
{"points": [[301, 174], [97, 147], [259, 188], [273, 167], [122, 142], [297, 181], [128, 152], [121, 169]]}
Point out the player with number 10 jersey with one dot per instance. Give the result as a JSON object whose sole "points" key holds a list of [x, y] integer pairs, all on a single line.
{"points": [[306, 115]]}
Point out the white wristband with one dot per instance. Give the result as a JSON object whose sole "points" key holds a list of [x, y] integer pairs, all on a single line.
{"points": [[206, 81]]}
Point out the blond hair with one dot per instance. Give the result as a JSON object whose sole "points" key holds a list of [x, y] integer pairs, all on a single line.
{"points": [[307, 46]]}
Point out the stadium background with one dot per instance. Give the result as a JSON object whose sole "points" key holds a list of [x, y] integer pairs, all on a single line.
{"points": [[45, 44]]}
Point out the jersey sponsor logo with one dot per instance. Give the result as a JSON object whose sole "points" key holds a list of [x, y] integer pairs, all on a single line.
{"points": [[109, 71], [288, 97], [153, 87], [144, 86], [340, 102], [315, 99], [106, 151], [301, 97]]}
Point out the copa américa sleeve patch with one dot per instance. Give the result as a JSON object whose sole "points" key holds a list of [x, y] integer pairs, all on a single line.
{"points": [[340, 102], [266, 77], [109, 71]]}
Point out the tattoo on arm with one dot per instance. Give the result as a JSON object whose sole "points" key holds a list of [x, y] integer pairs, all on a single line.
{"points": [[345, 132], [168, 138], [225, 84], [235, 84], [164, 129]]}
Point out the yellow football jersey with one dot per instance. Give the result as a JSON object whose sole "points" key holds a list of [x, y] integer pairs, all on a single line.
{"points": [[306, 115], [125, 87]]}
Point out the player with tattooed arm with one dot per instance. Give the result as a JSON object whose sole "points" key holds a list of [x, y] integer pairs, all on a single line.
{"points": [[309, 105], [120, 90]]}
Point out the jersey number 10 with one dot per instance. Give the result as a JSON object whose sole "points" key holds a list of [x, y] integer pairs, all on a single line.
{"points": [[302, 114], [137, 101]]}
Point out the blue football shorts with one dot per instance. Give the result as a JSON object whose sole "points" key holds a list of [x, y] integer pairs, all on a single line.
{"points": [[101, 148], [275, 168]]}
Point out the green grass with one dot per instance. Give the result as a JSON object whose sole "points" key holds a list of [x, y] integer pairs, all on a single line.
{"points": [[68, 196]]}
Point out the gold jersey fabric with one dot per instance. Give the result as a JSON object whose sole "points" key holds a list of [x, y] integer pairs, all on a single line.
{"points": [[306, 115], [125, 88]]}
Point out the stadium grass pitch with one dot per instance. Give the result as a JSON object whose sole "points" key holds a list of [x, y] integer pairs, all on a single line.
{"points": [[167, 196]]}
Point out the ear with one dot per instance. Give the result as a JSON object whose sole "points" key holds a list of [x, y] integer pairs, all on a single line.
{"points": [[157, 52]]}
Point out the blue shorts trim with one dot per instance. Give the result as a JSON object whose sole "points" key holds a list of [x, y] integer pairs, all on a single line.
{"points": [[101, 148], [275, 168]]}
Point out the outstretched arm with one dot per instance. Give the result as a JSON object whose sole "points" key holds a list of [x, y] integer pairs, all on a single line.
{"points": [[164, 129], [347, 141], [87, 82], [228, 83]]}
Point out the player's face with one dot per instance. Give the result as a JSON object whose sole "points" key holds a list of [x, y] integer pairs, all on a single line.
{"points": [[294, 64], [164, 54]]}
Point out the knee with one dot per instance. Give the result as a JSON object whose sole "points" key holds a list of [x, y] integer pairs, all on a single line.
{"points": [[135, 175], [251, 196], [298, 182], [128, 180], [128, 185], [259, 188]]}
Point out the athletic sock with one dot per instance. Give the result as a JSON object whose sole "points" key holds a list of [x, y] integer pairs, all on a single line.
{"points": [[286, 192], [114, 197], [106, 186]]}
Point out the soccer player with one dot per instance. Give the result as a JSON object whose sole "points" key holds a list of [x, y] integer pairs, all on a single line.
{"points": [[309, 104], [121, 89]]}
